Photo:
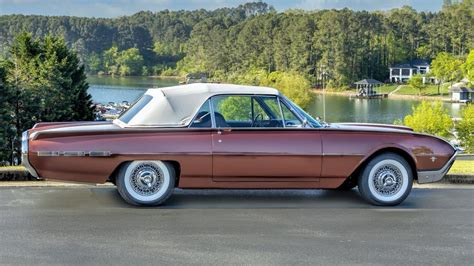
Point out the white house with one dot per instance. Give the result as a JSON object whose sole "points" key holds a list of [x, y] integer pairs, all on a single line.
{"points": [[403, 72], [461, 92]]}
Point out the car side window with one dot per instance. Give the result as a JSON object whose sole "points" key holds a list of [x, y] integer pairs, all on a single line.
{"points": [[203, 117], [246, 111], [291, 120], [232, 110], [270, 115], [259, 112]]}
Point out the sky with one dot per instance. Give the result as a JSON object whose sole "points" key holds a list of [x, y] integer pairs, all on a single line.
{"points": [[114, 8]]}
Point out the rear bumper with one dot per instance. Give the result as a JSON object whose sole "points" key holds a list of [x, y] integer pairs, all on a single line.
{"points": [[435, 176], [27, 165], [24, 154]]}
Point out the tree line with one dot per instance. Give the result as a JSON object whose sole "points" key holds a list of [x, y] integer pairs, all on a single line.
{"points": [[340, 46]]}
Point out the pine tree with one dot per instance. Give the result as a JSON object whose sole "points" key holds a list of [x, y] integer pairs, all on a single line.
{"points": [[41, 81], [5, 134]]}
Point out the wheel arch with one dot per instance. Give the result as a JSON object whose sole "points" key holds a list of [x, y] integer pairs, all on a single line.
{"points": [[396, 150], [175, 164]]}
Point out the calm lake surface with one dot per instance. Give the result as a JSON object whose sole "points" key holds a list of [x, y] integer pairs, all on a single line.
{"points": [[338, 108]]}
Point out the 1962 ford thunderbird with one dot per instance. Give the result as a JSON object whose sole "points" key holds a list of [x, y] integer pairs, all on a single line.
{"points": [[231, 136]]}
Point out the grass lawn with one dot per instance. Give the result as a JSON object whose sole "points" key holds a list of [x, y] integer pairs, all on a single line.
{"points": [[429, 90], [12, 168], [462, 167], [387, 88]]}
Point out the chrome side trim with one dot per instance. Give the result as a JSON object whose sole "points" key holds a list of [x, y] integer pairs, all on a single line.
{"points": [[74, 153], [47, 153], [435, 176], [100, 154], [344, 154]]}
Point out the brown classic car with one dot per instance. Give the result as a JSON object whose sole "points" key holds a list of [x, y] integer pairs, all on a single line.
{"points": [[230, 136]]}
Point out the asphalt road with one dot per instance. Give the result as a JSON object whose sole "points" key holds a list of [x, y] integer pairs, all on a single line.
{"points": [[94, 226]]}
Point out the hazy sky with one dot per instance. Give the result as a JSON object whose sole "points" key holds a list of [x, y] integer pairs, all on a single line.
{"points": [[113, 8]]}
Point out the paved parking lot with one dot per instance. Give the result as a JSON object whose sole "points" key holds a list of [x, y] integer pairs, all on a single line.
{"points": [[92, 225]]}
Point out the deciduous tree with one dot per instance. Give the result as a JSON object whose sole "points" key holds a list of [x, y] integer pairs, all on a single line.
{"points": [[465, 128], [446, 67], [431, 118], [468, 67], [416, 82]]}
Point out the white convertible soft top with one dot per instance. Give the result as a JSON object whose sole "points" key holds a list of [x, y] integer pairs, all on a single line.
{"points": [[176, 106]]}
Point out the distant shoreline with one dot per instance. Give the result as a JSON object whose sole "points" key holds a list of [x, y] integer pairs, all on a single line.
{"points": [[139, 76], [392, 96]]}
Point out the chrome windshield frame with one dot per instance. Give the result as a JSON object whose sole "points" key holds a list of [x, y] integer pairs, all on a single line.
{"points": [[291, 106]]}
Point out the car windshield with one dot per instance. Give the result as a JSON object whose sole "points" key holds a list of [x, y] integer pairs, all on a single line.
{"points": [[310, 120]]}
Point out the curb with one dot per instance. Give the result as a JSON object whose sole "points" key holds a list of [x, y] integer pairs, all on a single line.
{"points": [[458, 179], [52, 184]]}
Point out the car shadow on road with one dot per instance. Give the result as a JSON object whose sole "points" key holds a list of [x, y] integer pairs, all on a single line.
{"points": [[257, 199], [211, 199], [262, 199]]}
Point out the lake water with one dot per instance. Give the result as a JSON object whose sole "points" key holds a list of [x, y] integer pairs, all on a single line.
{"points": [[338, 108]]}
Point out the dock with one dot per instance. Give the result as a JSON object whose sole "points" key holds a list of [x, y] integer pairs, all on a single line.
{"points": [[372, 96]]}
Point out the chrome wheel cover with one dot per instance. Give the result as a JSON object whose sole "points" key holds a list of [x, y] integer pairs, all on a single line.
{"points": [[146, 179], [387, 180]]}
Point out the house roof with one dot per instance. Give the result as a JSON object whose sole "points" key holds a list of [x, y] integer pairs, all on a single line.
{"points": [[176, 106], [460, 87], [412, 63], [368, 81], [461, 90]]}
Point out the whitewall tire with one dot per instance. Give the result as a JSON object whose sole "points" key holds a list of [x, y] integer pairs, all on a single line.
{"points": [[386, 180], [146, 182]]}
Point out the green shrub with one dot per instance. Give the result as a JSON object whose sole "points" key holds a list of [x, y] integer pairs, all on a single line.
{"points": [[465, 128], [431, 118], [168, 72], [292, 85]]}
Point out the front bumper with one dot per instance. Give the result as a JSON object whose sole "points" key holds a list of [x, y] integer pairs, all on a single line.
{"points": [[435, 176]]}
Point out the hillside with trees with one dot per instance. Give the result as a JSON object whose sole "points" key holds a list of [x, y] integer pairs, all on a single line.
{"points": [[339, 45]]}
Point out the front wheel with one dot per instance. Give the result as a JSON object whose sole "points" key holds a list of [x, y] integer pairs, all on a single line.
{"points": [[386, 180], [146, 182]]}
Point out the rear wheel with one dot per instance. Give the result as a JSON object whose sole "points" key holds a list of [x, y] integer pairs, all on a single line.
{"points": [[386, 180], [146, 182]]}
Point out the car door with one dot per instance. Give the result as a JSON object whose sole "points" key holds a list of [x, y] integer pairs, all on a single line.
{"points": [[253, 141]]}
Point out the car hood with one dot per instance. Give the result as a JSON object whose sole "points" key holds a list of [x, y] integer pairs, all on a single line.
{"points": [[370, 127]]}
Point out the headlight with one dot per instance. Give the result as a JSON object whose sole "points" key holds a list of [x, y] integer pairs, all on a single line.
{"points": [[24, 142]]}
